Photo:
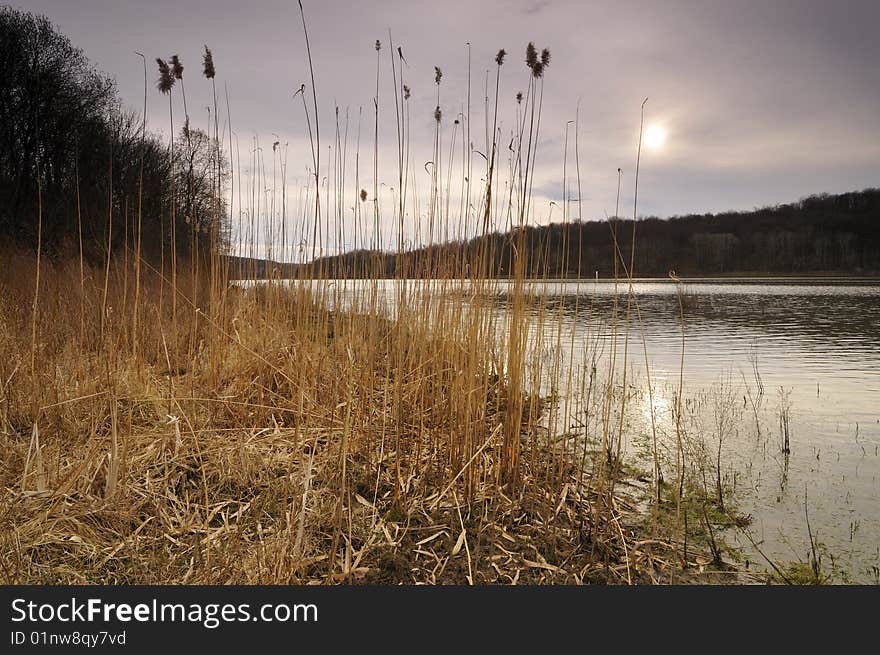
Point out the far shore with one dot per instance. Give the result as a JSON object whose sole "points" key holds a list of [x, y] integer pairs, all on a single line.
{"points": [[873, 276]]}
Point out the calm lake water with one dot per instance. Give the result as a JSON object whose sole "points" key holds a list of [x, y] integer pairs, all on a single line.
{"points": [[815, 345], [812, 345]]}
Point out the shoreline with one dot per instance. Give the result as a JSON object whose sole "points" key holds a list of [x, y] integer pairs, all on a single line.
{"points": [[738, 277], [298, 445]]}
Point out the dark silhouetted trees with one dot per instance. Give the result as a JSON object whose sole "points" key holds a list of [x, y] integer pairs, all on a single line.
{"points": [[836, 234], [67, 144]]}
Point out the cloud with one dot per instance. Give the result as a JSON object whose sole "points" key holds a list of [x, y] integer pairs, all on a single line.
{"points": [[536, 7], [762, 101]]}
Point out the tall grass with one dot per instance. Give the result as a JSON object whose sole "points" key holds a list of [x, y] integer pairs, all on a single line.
{"points": [[343, 430]]}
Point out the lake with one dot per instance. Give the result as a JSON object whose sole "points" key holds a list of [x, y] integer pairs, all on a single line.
{"points": [[814, 347], [811, 345]]}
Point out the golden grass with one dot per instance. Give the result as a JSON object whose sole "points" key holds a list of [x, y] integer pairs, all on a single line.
{"points": [[288, 443], [193, 430]]}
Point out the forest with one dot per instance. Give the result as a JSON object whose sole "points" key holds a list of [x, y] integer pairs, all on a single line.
{"points": [[822, 234], [79, 171]]}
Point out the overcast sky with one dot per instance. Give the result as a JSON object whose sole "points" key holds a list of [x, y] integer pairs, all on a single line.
{"points": [[761, 101]]}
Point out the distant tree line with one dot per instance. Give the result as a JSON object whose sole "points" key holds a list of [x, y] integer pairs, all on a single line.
{"points": [[70, 153], [837, 234]]}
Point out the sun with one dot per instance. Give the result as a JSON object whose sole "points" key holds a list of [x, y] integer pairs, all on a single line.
{"points": [[655, 137]]}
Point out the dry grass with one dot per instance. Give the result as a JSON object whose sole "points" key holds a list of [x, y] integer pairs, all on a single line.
{"points": [[289, 444], [298, 431]]}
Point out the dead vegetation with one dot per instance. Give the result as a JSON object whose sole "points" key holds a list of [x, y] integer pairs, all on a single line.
{"points": [[160, 425], [285, 444]]}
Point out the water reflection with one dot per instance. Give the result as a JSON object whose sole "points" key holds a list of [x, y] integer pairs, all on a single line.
{"points": [[753, 350], [813, 347]]}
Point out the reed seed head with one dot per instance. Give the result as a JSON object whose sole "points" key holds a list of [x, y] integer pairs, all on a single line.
{"points": [[363, 195], [166, 79], [499, 58], [208, 62], [531, 55], [438, 114], [519, 97], [438, 75], [406, 92], [538, 70], [378, 45], [176, 67], [545, 57]]}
